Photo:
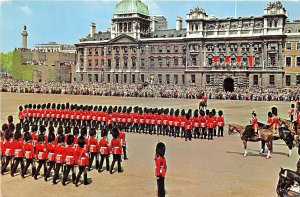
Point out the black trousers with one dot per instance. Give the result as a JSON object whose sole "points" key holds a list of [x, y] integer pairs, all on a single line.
{"points": [[159, 129], [135, 128], [292, 118], [160, 186], [182, 131], [116, 158], [177, 131], [94, 155], [40, 164], [165, 130], [210, 133], [215, 131], [220, 131], [106, 157], [7, 160], [51, 165], [124, 151], [188, 134], [171, 130], [203, 133], [141, 127], [28, 163], [66, 173], [196, 132], [56, 172], [17, 160], [81, 170]]}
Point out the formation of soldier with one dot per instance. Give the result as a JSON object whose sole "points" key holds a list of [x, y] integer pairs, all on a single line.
{"points": [[170, 122], [63, 151]]}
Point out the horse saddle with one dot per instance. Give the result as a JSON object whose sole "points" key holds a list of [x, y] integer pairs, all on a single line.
{"points": [[275, 132]]}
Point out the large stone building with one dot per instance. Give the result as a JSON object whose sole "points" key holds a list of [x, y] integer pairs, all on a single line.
{"points": [[54, 62], [225, 53]]}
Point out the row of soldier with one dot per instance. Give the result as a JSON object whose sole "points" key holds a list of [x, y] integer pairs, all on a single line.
{"points": [[60, 151], [162, 121]]}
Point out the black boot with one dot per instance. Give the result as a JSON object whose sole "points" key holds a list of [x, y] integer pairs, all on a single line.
{"points": [[73, 178], [33, 171], [85, 181], [97, 163]]}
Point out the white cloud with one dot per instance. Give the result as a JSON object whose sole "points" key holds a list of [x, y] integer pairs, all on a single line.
{"points": [[26, 10]]}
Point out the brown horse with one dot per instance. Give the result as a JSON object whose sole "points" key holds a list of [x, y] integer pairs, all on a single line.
{"points": [[265, 135], [288, 124]]}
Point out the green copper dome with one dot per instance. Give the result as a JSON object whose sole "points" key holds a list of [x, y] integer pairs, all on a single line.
{"points": [[131, 6]]}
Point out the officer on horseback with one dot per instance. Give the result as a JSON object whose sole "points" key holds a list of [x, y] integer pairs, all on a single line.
{"points": [[274, 126], [254, 126]]}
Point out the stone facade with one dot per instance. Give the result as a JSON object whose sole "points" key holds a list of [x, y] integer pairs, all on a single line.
{"points": [[224, 53]]}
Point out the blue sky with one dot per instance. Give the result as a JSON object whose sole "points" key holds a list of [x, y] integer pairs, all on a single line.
{"points": [[67, 21]]}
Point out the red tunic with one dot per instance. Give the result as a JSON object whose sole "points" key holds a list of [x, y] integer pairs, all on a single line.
{"points": [[82, 158], [8, 148], [188, 125], [28, 150], [115, 147], [60, 153], [196, 122], [104, 147], [94, 146], [70, 155], [122, 137], [18, 146], [21, 115], [160, 167], [182, 121], [220, 121], [165, 119], [51, 152], [210, 123], [254, 123], [177, 121], [34, 137], [41, 151]]}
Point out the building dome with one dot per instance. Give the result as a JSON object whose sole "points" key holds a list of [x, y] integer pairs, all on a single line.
{"points": [[131, 7]]}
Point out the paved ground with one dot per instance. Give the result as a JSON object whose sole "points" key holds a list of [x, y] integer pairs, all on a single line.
{"points": [[196, 168]]}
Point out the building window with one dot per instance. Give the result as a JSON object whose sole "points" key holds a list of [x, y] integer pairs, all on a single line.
{"points": [[108, 78], [109, 50], [176, 79], [90, 52], [117, 78], [102, 51], [288, 46], [152, 62], [168, 79], [90, 77], [168, 61], [288, 80], [160, 49], [175, 49], [133, 62], [298, 45], [81, 76], [168, 49], [133, 78], [125, 62], [117, 50], [143, 78], [272, 80], [152, 49], [109, 63], [221, 58], [298, 61], [133, 50], [193, 77], [125, 49], [207, 79], [117, 62], [298, 79], [102, 62], [96, 51], [96, 63], [210, 60], [160, 61], [245, 58], [142, 49], [288, 61], [143, 63], [159, 78], [183, 79], [96, 78], [90, 63], [125, 78], [255, 80]]}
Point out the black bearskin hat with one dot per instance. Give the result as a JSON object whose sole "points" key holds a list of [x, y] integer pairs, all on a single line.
{"points": [[34, 106], [270, 114], [30, 106], [60, 138], [254, 114], [129, 110], [207, 112], [81, 142], [160, 149], [34, 128], [140, 111], [25, 128], [100, 108], [25, 106], [211, 114], [75, 131], [104, 108], [17, 135], [274, 111], [166, 111], [92, 132], [67, 105], [124, 109], [18, 127], [83, 131], [51, 137], [67, 130], [220, 113], [53, 106], [4, 127], [27, 137], [115, 109], [48, 105], [115, 132], [91, 108], [41, 138], [202, 113], [42, 129], [177, 112], [187, 116], [58, 106], [44, 106], [8, 135], [20, 108], [172, 112], [104, 133], [135, 109], [51, 129], [292, 106], [95, 108], [63, 107], [196, 113], [60, 130], [38, 106], [70, 139], [213, 111], [182, 112], [10, 119]]}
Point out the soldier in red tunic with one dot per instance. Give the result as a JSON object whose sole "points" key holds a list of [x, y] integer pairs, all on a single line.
{"points": [[176, 124], [165, 122], [21, 115], [29, 154], [269, 119], [51, 154], [94, 149], [82, 161], [41, 154], [104, 150], [188, 127], [70, 159], [116, 149], [182, 123], [3, 131], [159, 121], [142, 120], [8, 149], [18, 146], [160, 168], [292, 112], [210, 126], [122, 136], [254, 126], [221, 123], [60, 155]]}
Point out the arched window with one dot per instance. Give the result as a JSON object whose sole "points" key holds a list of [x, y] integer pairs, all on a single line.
{"points": [[233, 58], [245, 58], [221, 58], [210, 58]]}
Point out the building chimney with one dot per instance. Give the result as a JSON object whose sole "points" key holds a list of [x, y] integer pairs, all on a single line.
{"points": [[178, 23], [93, 29], [24, 37]]}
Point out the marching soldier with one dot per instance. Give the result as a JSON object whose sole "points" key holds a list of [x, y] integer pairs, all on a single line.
{"points": [[104, 150], [269, 119], [18, 147], [94, 149], [70, 159], [203, 124], [177, 123], [51, 154], [195, 120], [60, 155], [41, 155], [165, 118], [21, 115], [292, 112], [29, 154], [188, 127], [210, 126], [221, 123], [122, 136], [160, 168], [116, 149], [182, 123], [274, 125], [8, 149], [82, 161]]}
